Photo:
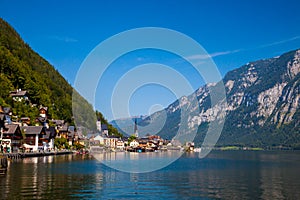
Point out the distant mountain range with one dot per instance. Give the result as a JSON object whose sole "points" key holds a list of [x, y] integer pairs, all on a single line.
{"points": [[263, 100]]}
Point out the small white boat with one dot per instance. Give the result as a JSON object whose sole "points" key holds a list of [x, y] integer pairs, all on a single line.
{"points": [[197, 149]]}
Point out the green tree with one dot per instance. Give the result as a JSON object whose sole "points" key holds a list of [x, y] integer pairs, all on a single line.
{"points": [[131, 138]]}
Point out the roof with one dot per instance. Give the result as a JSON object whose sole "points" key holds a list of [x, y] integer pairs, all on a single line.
{"points": [[10, 128], [98, 137], [71, 128], [80, 135], [32, 129], [25, 118], [44, 108], [47, 135], [18, 93], [51, 132], [42, 119], [112, 136], [58, 122], [64, 128], [6, 110], [104, 127]]}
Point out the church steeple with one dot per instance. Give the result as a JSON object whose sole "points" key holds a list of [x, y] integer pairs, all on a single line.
{"points": [[135, 128]]}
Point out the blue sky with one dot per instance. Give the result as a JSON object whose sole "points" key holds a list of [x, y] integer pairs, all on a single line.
{"points": [[233, 32]]}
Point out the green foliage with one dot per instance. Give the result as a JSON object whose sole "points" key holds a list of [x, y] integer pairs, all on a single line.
{"points": [[78, 146], [131, 138], [22, 68], [25, 110], [111, 130], [61, 143], [83, 112]]}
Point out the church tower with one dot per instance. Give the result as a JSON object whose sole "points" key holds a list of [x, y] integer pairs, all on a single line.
{"points": [[136, 129], [98, 124]]}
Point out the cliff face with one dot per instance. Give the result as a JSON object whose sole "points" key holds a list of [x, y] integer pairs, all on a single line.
{"points": [[262, 105]]}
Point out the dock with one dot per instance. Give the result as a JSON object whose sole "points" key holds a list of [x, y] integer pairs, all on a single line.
{"points": [[34, 154]]}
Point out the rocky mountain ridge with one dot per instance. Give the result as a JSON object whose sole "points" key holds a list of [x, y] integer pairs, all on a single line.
{"points": [[262, 106]]}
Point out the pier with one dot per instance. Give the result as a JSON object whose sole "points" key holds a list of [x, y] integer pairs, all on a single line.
{"points": [[34, 154]]}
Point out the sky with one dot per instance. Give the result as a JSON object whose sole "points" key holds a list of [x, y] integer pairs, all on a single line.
{"points": [[232, 32]]}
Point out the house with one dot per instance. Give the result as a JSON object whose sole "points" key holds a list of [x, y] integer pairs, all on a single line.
{"points": [[25, 121], [111, 141], [100, 140], [8, 114], [42, 121], [134, 143], [48, 139], [2, 126], [12, 137], [71, 134], [143, 144], [120, 145], [19, 95], [32, 136], [43, 111], [7, 111], [79, 138], [63, 131], [58, 123], [104, 129]]}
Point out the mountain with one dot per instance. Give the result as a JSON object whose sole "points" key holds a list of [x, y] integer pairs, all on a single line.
{"points": [[22, 68], [262, 109]]}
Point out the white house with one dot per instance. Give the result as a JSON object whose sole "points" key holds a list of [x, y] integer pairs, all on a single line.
{"points": [[134, 143], [120, 145], [111, 142], [100, 139]]}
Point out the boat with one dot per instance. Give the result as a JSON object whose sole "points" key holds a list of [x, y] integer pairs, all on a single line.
{"points": [[197, 149]]}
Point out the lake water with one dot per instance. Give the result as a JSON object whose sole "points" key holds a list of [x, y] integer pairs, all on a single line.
{"points": [[221, 175]]}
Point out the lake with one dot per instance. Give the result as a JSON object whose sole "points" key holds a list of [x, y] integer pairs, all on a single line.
{"points": [[221, 175]]}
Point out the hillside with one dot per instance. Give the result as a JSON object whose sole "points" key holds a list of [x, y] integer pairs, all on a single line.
{"points": [[22, 68], [263, 100]]}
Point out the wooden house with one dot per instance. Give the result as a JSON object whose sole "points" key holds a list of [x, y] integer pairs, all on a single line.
{"points": [[43, 111], [33, 136], [13, 137], [19, 95]]}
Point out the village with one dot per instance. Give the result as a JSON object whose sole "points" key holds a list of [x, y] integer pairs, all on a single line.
{"points": [[103, 142], [19, 135]]}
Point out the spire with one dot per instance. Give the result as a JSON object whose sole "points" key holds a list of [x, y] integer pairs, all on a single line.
{"points": [[135, 128]]}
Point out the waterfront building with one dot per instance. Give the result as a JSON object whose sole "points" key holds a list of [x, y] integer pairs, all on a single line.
{"points": [[120, 145], [134, 144], [12, 137], [33, 135]]}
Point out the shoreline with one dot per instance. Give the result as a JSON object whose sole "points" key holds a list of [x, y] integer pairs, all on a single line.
{"points": [[34, 154]]}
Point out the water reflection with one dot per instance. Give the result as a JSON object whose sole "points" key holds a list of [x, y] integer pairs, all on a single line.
{"points": [[133, 162], [222, 175]]}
